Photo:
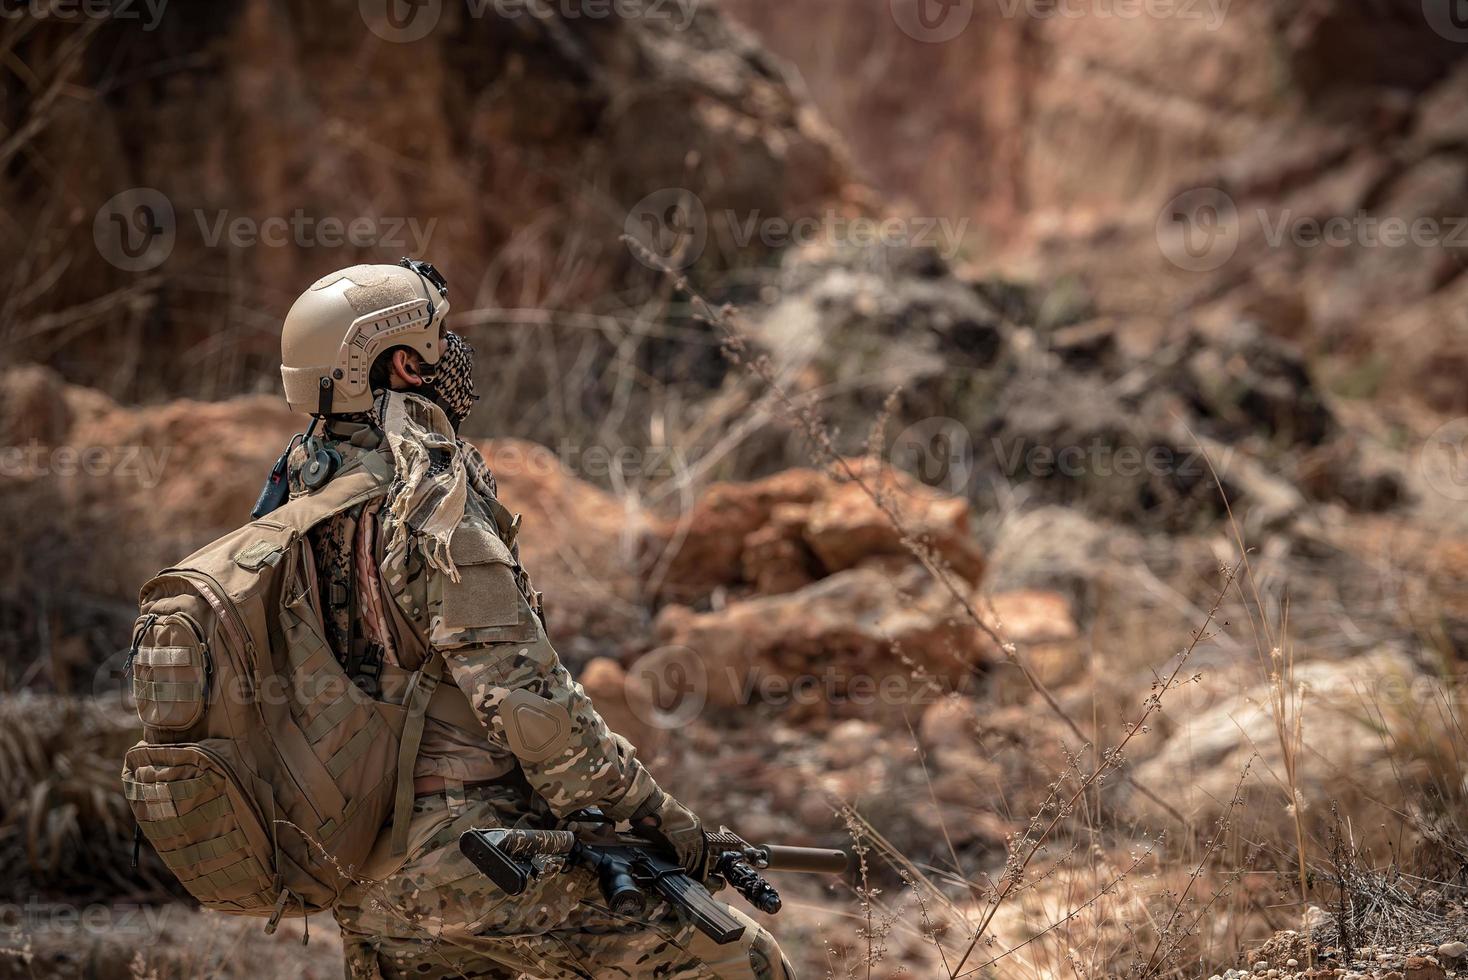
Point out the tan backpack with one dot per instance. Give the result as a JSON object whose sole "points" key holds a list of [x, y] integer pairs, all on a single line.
{"points": [[265, 775]]}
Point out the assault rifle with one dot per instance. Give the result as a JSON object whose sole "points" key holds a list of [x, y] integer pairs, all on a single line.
{"points": [[628, 867]]}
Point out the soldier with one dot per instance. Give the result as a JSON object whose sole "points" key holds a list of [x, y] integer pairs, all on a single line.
{"points": [[433, 571]]}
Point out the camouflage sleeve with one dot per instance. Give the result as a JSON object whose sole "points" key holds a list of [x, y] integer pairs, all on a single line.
{"points": [[498, 654]]}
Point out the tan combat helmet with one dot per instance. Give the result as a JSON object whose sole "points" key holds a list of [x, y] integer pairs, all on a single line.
{"points": [[337, 328]]}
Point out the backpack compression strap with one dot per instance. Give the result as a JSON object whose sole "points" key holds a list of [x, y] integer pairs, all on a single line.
{"points": [[423, 686]]}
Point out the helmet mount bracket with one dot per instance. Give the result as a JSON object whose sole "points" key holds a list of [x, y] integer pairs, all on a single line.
{"points": [[324, 399]]}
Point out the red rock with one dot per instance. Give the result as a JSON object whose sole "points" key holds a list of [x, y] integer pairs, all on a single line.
{"points": [[1042, 624], [775, 557], [1030, 616], [1424, 968], [855, 643], [846, 526], [689, 556], [777, 534]]}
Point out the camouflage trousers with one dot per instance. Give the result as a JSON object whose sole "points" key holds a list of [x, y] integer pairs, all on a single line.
{"points": [[439, 917]]}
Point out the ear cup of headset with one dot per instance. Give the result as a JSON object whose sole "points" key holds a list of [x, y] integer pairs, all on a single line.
{"points": [[322, 467]]}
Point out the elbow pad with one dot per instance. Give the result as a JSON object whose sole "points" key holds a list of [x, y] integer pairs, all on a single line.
{"points": [[535, 729]]}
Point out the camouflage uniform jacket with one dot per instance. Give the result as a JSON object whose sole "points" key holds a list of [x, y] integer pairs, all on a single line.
{"points": [[486, 624]]}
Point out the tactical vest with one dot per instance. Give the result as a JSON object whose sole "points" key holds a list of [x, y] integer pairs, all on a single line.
{"points": [[265, 776]]}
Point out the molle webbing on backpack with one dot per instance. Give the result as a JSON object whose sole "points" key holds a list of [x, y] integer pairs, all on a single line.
{"points": [[265, 775]]}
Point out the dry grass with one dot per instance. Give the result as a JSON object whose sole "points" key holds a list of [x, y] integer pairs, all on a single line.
{"points": [[64, 826], [118, 941], [1158, 946]]}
